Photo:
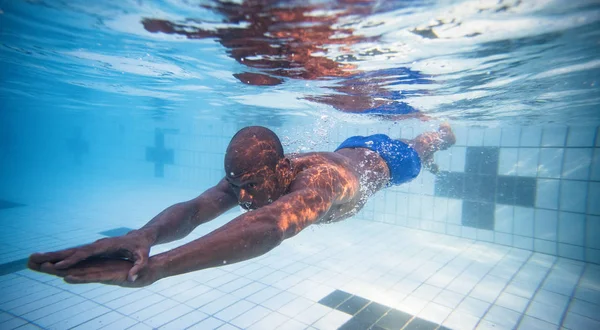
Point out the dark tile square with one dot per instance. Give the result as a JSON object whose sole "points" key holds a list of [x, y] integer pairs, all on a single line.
{"points": [[505, 189], [482, 160], [356, 324], [13, 266], [116, 232], [478, 215], [525, 190], [8, 204], [372, 312], [450, 184], [479, 187], [420, 324], [353, 305], [394, 319], [335, 298]]}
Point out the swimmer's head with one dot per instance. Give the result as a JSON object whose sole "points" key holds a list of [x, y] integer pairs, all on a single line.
{"points": [[256, 168]]}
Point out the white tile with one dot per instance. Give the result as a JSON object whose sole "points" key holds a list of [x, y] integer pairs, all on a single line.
{"points": [[546, 224], [571, 251], [531, 137], [454, 211], [510, 137], [313, 313], [586, 309], [571, 228], [592, 255], [595, 170], [554, 136], [503, 239], [581, 136], [577, 163], [523, 224], [123, 323], [531, 323], [473, 306], [593, 206], [548, 313], [528, 161], [435, 313], [426, 291], [504, 317], [449, 298], [576, 321], [551, 162], [443, 159], [523, 242], [544, 246], [185, 321], [207, 324], [588, 294], [489, 288], [504, 218], [205, 298], [269, 322], [458, 158], [468, 232], [219, 304], [332, 321], [573, 195], [250, 317], [295, 306], [547, 193], [491, 137], [511, 301], [461, 321], [412, 305], [168, 315], [508, 161], [475, 137], [279, 300], [592, 231], [292, 324], [263, 295]]}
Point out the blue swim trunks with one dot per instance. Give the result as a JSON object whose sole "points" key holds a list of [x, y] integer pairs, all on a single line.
{"points": [[402, 160]]}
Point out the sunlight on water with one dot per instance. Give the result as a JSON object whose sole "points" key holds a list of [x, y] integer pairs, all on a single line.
{"points": [[490, 62]]}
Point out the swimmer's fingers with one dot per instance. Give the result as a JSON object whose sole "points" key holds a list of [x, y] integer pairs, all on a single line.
{"points": [[37, 259], [49, 268], [141, 261]]}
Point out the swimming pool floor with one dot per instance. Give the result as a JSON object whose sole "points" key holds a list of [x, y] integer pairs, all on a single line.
{"points": [[353, 274]]}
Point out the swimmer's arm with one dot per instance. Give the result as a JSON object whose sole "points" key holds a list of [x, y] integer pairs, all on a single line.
{"points": [[178, 220], [247, 236]]}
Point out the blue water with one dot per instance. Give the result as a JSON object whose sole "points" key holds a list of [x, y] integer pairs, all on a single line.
{"points": [[489, 63], [110, 111]]}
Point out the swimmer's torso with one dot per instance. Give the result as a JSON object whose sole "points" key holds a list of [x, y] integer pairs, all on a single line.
{"points": [[351, 174]]}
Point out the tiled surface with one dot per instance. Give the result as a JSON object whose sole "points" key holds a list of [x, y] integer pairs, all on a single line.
{"points": [[399, 272]]}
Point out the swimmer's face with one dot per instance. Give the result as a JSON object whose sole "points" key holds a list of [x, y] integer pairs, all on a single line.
{"points": [[255, 188]]}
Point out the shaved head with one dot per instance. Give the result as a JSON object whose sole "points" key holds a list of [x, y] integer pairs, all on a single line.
{"points": [[252, 147]]}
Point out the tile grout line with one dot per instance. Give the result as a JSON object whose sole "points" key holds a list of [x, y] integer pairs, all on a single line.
{"points": [[572, 296], [522, 316]]}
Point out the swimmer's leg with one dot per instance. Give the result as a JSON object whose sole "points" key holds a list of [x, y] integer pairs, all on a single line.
{"points": [[428, 143]]}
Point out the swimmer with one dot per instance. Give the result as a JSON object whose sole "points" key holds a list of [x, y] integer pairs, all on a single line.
{"points": [[285, 194]]}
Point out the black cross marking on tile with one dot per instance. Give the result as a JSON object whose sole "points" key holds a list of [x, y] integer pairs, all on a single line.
{"points": [[77, 146], [367, 314], [158, 154], [481, 187], [13, 266]]}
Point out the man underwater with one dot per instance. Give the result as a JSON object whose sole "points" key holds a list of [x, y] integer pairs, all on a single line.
{"points": [[286, 194]]}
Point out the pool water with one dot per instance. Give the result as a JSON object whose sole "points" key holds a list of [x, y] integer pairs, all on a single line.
{"points": [[112, 111]]}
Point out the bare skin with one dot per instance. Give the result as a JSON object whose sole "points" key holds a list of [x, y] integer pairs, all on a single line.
{"points": [[285, 193]]}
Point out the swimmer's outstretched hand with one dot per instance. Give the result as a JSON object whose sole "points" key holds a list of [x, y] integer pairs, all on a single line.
{"points": [[134, 247], [102, 270]]}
